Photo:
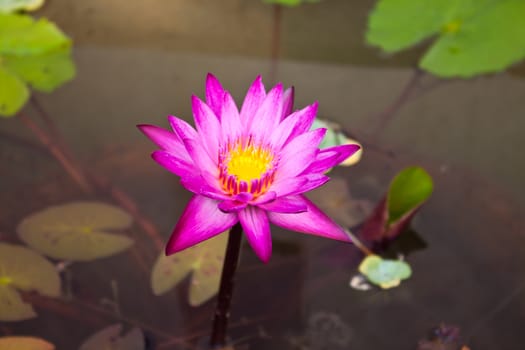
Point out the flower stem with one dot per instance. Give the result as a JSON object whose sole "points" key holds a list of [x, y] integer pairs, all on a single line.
{"points": [[222, 310]]}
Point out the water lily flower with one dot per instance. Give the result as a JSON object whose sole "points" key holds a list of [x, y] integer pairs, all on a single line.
{"points": [[250, 166]]}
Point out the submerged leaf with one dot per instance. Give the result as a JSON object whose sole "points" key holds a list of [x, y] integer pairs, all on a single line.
{"points": [[9, 6], [203, 261], [109, 338], [474, 37], [384, 273], [13, 93], [408, 191], [79, 231], [335, 137], [24, 343], [24, 269]]}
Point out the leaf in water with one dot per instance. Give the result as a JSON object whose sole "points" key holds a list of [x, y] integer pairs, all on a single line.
{"points": [[335, 137], [8, 6], [384, 273], [43, 72], [24, 343], [78, 231], [289, 3], [13, 93], [204, 261], [21, 35], [109, 338], [408, 191], [473, 37], [24, 269]]}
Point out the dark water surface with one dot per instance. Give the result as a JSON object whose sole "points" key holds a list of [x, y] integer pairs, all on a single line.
{"points": [[467, 134]]}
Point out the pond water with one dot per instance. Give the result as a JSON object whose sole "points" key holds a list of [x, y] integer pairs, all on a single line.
{"points": [[139, 63]]}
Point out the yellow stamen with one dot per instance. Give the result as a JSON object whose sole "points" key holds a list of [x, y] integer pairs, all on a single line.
{"points": [[249, 163]]}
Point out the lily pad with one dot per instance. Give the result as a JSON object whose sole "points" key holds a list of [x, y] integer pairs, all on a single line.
{"points": [[335, 137], [25, 343], [78, 231], [472, 37], [8, 6], [384, 273], [23, 269], [408, 191], [289, 3], [34, 52], [203, 262], [110, 338]]}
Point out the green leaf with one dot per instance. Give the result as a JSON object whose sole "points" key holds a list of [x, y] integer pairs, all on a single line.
{"points": [[474, 36], [23, 269], [44, 72], [78, 231], [109, 338], [335, 137], [24, 343], [290, 3], [21, 35], [384, 273], [409, 190], [8, 6], [203, 261], [13, 92]]}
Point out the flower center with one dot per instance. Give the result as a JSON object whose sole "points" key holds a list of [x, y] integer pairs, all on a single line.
{"points": [[246, 166]]}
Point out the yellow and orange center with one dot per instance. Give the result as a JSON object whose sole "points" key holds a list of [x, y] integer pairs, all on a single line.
{"points": [[246, 166]]}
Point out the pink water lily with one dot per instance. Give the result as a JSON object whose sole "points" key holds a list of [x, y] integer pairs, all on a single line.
{"points": [[251, 166]]}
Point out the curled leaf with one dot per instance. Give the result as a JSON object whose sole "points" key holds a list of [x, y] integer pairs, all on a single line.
{"points": [[24, 343], [110, 338], [407, 192], [203, 262], [384, 273], [78, 231], [23, 269]]}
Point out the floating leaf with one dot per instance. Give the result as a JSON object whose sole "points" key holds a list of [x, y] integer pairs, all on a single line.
{"points": [[289, 3], [8, 6], [204, 261], [473, 37], [23, 269], [24, 343], [34, 52], [109, 338], [384, 273], [335, 137], [79, 231], [13, 92], [408, 191], [43, 72]]}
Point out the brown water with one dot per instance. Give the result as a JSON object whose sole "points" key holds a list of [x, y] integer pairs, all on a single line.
{"points": [[138, 63]]}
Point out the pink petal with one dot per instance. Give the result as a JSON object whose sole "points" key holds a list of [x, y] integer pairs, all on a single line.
{"points": [[288, 97], [299, 184], [172, 163], [230, 119], [268, 115], [313, 221], [299, 153], [255, 224], [329, 157], [197, 184], [290, 204], [264, 198], [229, 206], [200, 221], [207, 125], [214, 93], [253, 100], [182, 129], [295, 124], [207, 167]]}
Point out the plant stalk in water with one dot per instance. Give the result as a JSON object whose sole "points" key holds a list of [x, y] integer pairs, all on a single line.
{"points": [[222, 310]]}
